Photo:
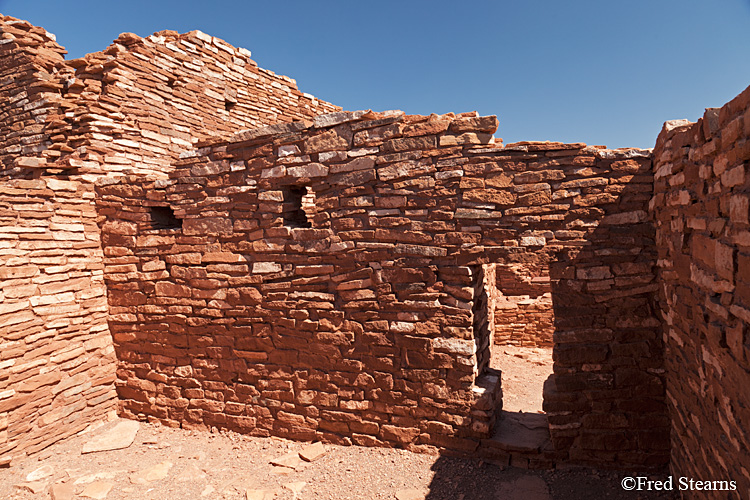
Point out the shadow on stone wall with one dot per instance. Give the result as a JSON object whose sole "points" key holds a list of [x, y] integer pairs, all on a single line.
{"points": [[605, 401]]}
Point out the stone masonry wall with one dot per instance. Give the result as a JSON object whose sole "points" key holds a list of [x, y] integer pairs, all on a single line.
{"points": [[134, 106], [57, 362], [701, 211], [523, 309], [29, 91], [318, 281]]}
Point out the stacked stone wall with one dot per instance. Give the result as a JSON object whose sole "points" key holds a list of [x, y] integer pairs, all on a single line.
{"points": [[141, 102], [57, 362], [701, 211], [350, 317], [134, 106], [524, 315], [29, 92]]}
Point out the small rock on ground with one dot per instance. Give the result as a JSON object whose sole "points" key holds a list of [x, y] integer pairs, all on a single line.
{"points": [[40, 473], [290, 460], [97, 490], [158, 471], [61, 491], [411, 494], [313, 452]]}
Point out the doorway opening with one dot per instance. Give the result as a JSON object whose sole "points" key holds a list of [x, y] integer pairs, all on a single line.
{"points": [[523, 334]]}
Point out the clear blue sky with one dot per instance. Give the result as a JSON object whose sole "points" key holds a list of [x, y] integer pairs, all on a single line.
{"points": [[598, 72]]}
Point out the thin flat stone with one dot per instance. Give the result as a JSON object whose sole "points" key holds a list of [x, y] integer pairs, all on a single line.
{"points": [[40, 473], [61, 491], [97, 490], [313, 452], [34, 486], [155, 473], [411, 494], [290, 460], [252, 494], [118, 437]]}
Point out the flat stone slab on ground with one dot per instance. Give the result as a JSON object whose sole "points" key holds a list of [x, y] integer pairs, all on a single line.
{"points": [[97, 490], [40, 473], [290, 460], [33, 487], [158, 471], [521, 432], [61, 491], [118, 437], [252, 494], [313, 452], [411, 494]]}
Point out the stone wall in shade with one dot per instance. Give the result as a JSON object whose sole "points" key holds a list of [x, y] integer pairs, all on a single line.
{"points": [[57, 362], [701, 211], [320, 281]]}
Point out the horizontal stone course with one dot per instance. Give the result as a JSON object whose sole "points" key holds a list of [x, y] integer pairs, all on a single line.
{"points": [[57, 362], [368, 299], [701, 216]]}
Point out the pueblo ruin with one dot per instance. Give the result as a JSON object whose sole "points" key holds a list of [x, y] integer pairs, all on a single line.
{"points": [[189, 239]]}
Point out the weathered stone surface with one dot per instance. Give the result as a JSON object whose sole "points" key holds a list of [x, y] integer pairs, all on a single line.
{"points": [[330, 276], [33, 487], [42, 472], [151, 474], [97, 490], [704, 283], [411, 494], [62, 491], [118, 437], [313, 452], [290, 460]]}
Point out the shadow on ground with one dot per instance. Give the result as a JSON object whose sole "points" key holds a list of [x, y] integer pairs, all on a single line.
{"points": [[461, 479]]}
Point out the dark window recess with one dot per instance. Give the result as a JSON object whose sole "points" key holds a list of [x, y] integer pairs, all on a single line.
{"points": [[294, 213], [228, 105], [163, 218]]}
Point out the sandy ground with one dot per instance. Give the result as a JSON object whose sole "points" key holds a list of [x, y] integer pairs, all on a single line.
{"points": [[175, 464], [225, 465], [524, 370]]}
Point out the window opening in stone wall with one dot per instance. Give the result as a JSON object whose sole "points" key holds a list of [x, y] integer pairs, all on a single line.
{"points": [[299, 206], [162, 217], [524, 325]]}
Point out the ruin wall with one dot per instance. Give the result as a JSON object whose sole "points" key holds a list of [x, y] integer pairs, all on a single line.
{"points": [[134, 106], [29, 91], [700, 208], [57, 361], [322, 282], [524, 315]]}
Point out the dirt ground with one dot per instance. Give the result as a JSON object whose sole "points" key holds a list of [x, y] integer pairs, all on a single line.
{"points": [[225, 465], [175, 464], [524, 370]]}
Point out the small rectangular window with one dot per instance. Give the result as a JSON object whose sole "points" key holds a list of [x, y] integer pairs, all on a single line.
{"points": [[162, 217], [299, 204]]}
